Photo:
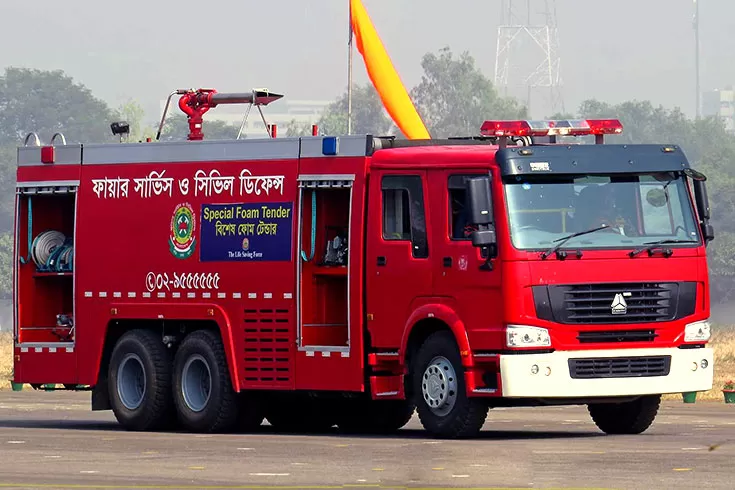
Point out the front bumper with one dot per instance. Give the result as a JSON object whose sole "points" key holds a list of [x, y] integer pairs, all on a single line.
{"points": [[553, 378]]}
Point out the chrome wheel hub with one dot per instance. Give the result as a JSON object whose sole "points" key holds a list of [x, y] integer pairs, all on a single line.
{"points": [[439, 386], [196, 383], [131, 382]]}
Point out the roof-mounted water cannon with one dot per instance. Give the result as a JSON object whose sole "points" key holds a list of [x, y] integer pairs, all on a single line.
{"points": [[551, 128], [195, 103]]}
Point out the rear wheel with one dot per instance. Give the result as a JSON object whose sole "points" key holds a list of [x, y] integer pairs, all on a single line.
{"points": [[439, 388], [203, 395], [139, 379], [625, 418]]}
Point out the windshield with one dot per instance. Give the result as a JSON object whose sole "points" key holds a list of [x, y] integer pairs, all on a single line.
{"points": [[639, 209]]}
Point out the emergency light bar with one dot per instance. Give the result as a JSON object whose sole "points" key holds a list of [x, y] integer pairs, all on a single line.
{"points": [[570, 127]]}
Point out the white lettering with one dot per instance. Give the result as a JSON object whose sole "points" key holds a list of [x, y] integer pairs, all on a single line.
{"points": [[110, 188], [184, 186], [182, 281], [206, 184], [154, 183], [250, 184], [212, 183]]}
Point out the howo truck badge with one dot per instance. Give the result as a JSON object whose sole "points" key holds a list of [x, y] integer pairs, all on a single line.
{"points": [[467, 276], [619, 306]]}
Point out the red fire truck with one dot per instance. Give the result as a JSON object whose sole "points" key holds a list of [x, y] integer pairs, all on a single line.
{"points": [[352, 280]]}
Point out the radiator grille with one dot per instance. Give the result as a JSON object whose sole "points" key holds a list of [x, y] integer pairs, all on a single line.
{"points": [[619, 367], [614, 336], [615, 303], [268, 347]]}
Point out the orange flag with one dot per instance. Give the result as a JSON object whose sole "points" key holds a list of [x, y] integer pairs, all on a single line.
{"points": [[383, 75]]}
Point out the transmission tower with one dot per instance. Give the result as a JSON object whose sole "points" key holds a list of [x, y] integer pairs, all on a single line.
{"points": [[527, 61]]}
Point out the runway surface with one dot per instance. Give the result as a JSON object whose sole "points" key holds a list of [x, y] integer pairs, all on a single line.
{"points": [[53, 440]]}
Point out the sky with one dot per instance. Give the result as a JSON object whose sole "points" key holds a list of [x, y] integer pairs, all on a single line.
{"points": [[613, 51]]}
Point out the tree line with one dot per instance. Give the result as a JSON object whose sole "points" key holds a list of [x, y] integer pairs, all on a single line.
{"points": [[453, 98]]}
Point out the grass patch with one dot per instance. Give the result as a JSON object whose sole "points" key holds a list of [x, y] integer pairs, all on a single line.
{"points": [[6, 359], [723, 343]]}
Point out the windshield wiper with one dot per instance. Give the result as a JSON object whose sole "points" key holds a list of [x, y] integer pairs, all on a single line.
{"points": [[650, 246], [564, 240]]}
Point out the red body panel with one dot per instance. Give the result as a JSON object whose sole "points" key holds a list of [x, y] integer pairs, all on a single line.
{"points": [[287, 323], [333, 295], [119, 232]]}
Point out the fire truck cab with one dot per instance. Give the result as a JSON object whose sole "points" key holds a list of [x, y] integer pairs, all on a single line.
{"points": [[353, 280]]}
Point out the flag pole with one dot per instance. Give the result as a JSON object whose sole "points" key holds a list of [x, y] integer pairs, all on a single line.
{"points": [[349, 73]]}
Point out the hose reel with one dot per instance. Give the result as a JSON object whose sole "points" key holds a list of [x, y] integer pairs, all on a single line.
{"points": [[51, 250]]}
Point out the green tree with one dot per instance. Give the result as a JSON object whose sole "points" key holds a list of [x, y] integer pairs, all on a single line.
{"points": [[176, 128], [295, 129], [6, 265], [47, 102], [7, 186], [368, 114], [454, 98], [134, 114]]}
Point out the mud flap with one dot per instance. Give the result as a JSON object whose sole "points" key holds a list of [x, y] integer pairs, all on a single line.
{"points": [[101, 395]]}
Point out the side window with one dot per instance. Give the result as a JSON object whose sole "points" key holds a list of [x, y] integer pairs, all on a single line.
{"points": [[404, 215], [658, 208], [396, 214], [458, 213]]}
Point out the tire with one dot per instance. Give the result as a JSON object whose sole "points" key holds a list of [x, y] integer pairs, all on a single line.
{"points": [[375, 416], [139, 382], [440, 391], [625, 418], [203, 395]]}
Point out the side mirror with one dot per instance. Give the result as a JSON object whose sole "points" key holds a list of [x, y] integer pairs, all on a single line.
{"points": [[480, 201], [703, 209], [480, 204]]}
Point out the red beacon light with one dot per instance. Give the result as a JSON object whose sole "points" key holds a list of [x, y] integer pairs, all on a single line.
{"points": [[566, 127]]}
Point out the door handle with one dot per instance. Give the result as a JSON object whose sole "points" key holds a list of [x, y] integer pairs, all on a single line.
{"points": [[381, 261], [447, 262]]}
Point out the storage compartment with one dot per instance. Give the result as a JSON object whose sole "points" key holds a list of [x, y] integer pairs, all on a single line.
{"points": [[324, 266], [45, 266]]}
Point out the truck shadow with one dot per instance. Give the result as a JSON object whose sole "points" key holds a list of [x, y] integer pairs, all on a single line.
{"points": [[266, 430], [84, 425], [420, 434]]}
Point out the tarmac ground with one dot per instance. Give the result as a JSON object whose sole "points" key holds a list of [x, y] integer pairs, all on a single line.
{"points": [[53, 440]]}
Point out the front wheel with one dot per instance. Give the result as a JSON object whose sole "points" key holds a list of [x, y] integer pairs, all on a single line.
{"points": [[203, 393], [625, 418], [439, 388]]}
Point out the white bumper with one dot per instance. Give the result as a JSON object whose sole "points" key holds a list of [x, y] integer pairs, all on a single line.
{"points": [[554, 380]]}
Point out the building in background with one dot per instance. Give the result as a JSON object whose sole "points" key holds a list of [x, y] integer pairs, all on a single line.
{"points": [[281, 113], [720, 103]]}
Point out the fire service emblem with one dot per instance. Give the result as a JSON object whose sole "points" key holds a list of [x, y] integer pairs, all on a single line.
{"points": [[181, 241]]}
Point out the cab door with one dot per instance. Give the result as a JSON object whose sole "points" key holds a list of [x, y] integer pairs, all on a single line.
{"points": [[473, 290], [399, 256]]}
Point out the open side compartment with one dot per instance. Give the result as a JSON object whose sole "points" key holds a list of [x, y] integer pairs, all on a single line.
{"points": [[324, 234], [44, 302]]}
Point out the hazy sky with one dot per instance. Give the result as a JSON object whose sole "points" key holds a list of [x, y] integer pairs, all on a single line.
{"points": [[613, 50]]}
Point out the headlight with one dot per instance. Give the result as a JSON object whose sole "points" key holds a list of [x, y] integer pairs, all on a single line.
{"points": [[697, 332], [525, 336]]}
